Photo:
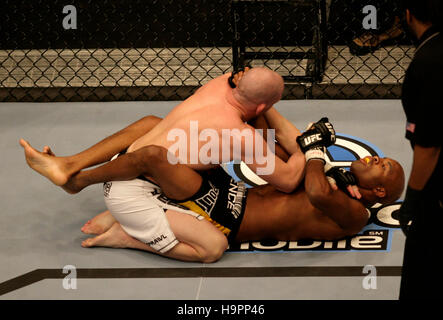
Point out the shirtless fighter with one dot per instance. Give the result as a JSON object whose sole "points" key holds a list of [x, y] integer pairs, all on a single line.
{"points": [[314, 210], [272, 214], [218, 106]]}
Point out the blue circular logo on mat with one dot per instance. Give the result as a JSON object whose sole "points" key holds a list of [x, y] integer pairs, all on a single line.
{"points": [[375, 237]]}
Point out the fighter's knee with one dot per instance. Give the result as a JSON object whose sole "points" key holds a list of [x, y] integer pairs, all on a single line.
{"points": [[213, 256], [154, 152], [215, 252], [149, 155]]}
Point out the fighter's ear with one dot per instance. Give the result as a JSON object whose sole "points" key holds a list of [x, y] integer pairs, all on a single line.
{"points": [[260, 109]]}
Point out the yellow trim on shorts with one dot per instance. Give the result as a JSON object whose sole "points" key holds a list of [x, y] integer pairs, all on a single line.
{"points": [[191, 205]]}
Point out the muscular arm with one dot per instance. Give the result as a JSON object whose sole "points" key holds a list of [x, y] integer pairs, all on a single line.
{"points": [[425, 161], [285, 132], [261, 123], [349, 214], [283, 175], [289, 161]]}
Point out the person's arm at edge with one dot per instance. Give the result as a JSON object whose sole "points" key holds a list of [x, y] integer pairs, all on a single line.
{"points": [[424, 163]]}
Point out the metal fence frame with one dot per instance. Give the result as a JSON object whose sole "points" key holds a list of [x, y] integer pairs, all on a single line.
{"points": [[110, 71]]}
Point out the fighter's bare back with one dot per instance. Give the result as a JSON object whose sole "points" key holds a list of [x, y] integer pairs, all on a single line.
{"points": [[209, 106]]}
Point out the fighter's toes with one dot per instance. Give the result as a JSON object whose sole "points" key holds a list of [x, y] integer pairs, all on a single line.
{"points": [[44, 163], [88, 243], [89, 228], [115, 237], [47, 150]]}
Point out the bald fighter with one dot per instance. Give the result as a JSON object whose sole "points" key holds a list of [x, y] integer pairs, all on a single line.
{"points": [[215, 106], [315, 210]]}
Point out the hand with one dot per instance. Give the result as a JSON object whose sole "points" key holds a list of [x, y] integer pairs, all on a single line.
{"points": [[235, 77], [405, 217], [409, 208], [320, 134], [352, 190], [344, 180]]}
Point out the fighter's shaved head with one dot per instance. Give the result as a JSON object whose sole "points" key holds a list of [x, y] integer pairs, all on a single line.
{"points": [[395, 182], [380, 180], [261, 86]]}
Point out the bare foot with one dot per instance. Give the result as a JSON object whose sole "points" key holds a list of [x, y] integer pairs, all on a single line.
{"points": [[99, 224], [115, 237], [70, 186], [46, 164], [48, 151]]}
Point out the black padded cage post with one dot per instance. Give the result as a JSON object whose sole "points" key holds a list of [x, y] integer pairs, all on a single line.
{"points": [[316, 55]]}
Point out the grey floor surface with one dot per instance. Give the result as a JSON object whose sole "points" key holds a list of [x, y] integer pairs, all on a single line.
{"points": [[40, 223]]}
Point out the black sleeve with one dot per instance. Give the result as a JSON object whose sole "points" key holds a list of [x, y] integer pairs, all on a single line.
{"points": [[429, 129]]}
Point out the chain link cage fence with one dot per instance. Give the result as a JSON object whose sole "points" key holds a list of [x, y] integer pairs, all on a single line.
{"points": [[87, 50]]}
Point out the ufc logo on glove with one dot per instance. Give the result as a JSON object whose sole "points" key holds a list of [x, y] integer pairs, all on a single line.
{"points": [[313, 138]]}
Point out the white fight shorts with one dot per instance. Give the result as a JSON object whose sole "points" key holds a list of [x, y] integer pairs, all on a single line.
{"points": [[139, 207]]}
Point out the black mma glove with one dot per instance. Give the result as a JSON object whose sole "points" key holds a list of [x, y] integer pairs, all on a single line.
{"points": [[316, 139], [411, 205], [342, 178], [231, 79]]}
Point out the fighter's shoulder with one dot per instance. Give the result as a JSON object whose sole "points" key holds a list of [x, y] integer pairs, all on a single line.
{"points": [[213, 87], [223, 77], [428, 60]]}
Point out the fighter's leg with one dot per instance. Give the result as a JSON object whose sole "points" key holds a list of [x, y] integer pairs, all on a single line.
{"points": [[185, 183], [202, 236], [199, 240], [177, 181], [104, 150], [60, 169]]}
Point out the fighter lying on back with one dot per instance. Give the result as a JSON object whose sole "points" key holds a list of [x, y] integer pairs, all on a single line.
{"points": [[314, 210]]}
